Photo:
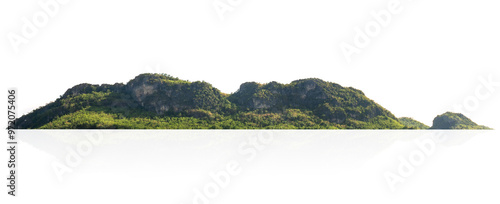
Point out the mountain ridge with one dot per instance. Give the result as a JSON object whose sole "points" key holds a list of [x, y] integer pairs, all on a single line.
{"points": [[165, 102]]}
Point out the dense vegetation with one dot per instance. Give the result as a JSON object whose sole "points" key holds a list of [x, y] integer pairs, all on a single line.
{"points": [[451, 120], [160, 101], [411, 123]]}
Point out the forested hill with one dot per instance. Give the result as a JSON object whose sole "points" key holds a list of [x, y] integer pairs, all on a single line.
{"points": [[451, 120], [160, 101]]}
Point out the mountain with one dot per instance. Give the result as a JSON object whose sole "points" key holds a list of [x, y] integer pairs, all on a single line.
{"points": [[160, 101], [412, 123], [451, 120]]}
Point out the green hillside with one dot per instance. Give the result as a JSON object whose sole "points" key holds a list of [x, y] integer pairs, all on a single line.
{"points": [[451, 120], [160, 101]]}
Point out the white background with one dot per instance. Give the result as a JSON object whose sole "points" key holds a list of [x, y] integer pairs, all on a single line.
{"points": [[318, 166], [428, 59]]}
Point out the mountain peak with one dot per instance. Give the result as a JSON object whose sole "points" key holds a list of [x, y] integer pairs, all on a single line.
{"points": [[450, 120], [167, 102]]}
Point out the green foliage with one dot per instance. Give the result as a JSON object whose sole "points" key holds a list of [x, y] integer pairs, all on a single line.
{"points": [[84, 100], [451, 120], [411, 123], [329, 101]]}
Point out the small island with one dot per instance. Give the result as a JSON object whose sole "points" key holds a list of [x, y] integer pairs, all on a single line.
{"points": [[160, 101]]}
